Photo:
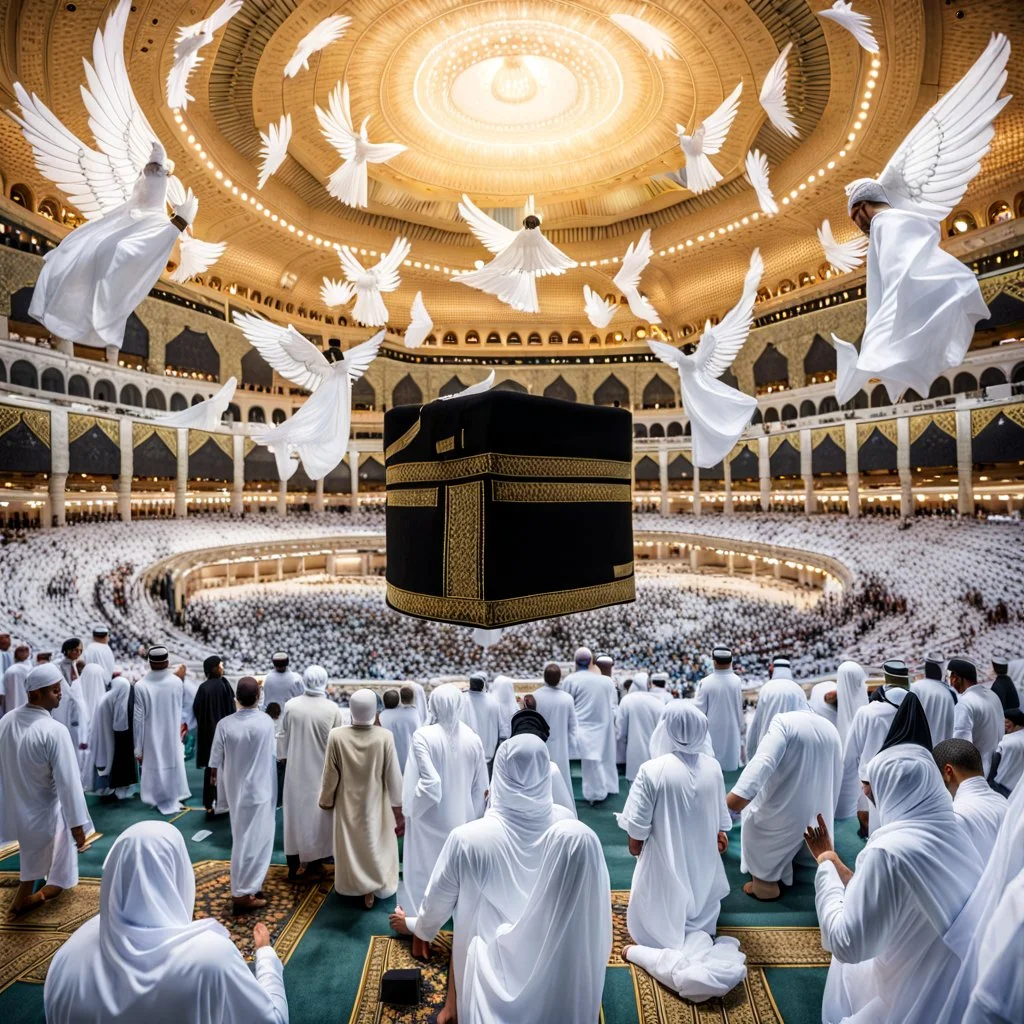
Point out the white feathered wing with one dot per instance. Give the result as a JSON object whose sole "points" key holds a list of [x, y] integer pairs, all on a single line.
{"points": [[757, 175], [857, 24], [274, 148], [474, 389], [654, 40], [844, 256], [369, 308], [773, 95], [700, 174], [320, 36], [600, 312], [420, 324], [191, 39], [627, 280], [204, 415]]}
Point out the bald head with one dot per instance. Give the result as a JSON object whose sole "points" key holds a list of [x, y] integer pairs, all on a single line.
{"points": [[247, 692]]}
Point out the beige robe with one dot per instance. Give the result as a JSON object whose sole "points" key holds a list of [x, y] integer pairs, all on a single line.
{"points": [[362, 782]]}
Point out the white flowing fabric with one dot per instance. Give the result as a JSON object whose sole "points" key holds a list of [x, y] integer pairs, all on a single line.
{"points": [[720, 697], [41, 798], [851, 695], [794, 776], [504, 692], [561, 790], [676, 807], [77, 717], [775, 697], [939, 703], [111, 716], [549, 965], [979, 718], [596, 704], [559, 710], [889, 929], [637, 719], [14, 685], [280, 687], [401, 722], [480, 711], [818, 703], [244, 752], [307, 722], [980, 810], [443, 787], [144, 958], [157, 733], [91, 688], [1011, 760], [867, 733], [702, 969]]}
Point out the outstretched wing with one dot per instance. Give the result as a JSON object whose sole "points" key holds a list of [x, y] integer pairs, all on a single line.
{"points": [[474, 389], [635, 261], [599, 310], [336, 121], [335, 293], [857, 24], [492, 235], [757, 175], [720, 344], [654, 40], [387, 268], [716, 125], [287, 351], [358, 358], [274, 148], [352, 267], [935, 163], [666, 353], [773, 95], [844, 256], [196, 256], [420, 324], [322, 34], [186, 57]]}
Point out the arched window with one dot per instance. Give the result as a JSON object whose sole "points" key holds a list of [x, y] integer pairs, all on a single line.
{"points": [[196, 399], [807, 408], [513, 339], [131, 395], [494, 338], [451, 387], [789, 413], [805, 279], [657, 430], [575, 338], [964, 382], [22, 195], [24, 374], [232, 414], [785, 285], [554, 338], [511, 385], [940, 388], [771, 371], [178, 402], [1017, 374], [879, 397], [363, 395], [52, 380], [560, 388], [675, 429], [771, 415], [50, 209], [103, 391], [78, 386], [820, 361], [910, 395], [278, 416], [612, 392], [859, 401], [595, 340], [450, 338], [992, 377], [998, 212], [962, 222], [3, 372], [828, 404], [155, 400], [472, 338], [639, 430], [256, 414], [534, 339], [407, 392], [658, 394], [256, 296]]}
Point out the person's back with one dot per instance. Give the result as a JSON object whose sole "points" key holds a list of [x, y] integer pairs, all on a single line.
{"points": [[249, 741], [867, 733], [637, 719], [978, 807], [480, 711], [14, 683], [939, 703], [559, 711], [401, 721], [979, 718], [720, 697], [157, 735], [280, 685]]}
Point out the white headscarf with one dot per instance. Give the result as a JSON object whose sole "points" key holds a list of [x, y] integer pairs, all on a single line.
{"points": [[504, 692], [851, 694], [640, 683], [120, 691], [686, 727], [521, 785], [775, 697], [906, 786], [92, 687], [315, 679], [363, 705], [445, 707]]}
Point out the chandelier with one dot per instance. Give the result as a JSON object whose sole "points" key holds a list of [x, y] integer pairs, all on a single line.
{"points": [[513, 83]]}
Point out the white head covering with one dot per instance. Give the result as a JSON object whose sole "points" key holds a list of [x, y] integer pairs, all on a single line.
{"points": [[504, 692], [906, 786], [686, 726], [775, 697], [851, 694], [315, 679], [120, 690], [781, 669], [640, 683], [521, 784], [42, 676], [865, 190], [446, 706], [363, 705]]}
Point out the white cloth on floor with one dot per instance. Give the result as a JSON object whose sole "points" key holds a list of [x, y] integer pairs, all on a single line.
{"points": [[981, 811], [637, 719], [703, 968], [720, 697], [401, 722], [939, 703], [480, 711], [559, 710], [979, 718], [775, 697], [157, 734]]}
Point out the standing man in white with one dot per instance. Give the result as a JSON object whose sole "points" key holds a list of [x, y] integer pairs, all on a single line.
{"points": [[720, 697], [596, 704], [638, 715], [480, 711], [401, 719], [158, 719], [558, 709], [937, 699], [98, 652], [979, 712], [280, 684]]}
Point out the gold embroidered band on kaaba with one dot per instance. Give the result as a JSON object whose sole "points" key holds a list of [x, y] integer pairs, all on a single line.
{"points": [[403, 442], [534, 491], [464, 541], [413, 497], [508, 465]]}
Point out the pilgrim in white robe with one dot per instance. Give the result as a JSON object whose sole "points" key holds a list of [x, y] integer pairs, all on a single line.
{"points": [[143, 958], [280, 687], [1011, 760], [794, 776], [157, 733], [100, 654], [548, 964], [444, 785], [939, 703], [503, 690], [720, 697], [481, 713], [890, 929], [979, 718], [420, 700], [559, 711], [76, 715], [13, 685], [401, 722], [561, 793], [245, 756], [818, 703], [596, 704], [776, 696], [111, 739], [637, 719], [851, 696], [980, 810], [91, 687], [41, 798]]}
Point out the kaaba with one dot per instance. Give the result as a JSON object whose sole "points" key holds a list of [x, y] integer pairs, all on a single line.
{"points": [[504, 508]]}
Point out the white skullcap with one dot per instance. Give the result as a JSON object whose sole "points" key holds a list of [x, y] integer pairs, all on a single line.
{"points": [[315, 679], [43, 675], [363, 705], [99, 629], [865, 190]]}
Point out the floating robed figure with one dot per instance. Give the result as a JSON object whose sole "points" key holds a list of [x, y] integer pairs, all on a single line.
{"points": [[203, 415]]}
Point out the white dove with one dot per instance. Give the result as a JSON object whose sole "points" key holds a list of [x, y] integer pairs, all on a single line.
{"points": [[757, 175], [922, 302], [323, 34], [349, 182], [274, 148], [191, 39], [654, 40], [474, 389], [521, 257], [773, 95], [317, 435], [627, 280], [336, 293], [420, 324], [700, 174], [858, 25], [369, 308], [600, 312], [203, 415], [718, 413], [844, 256]]}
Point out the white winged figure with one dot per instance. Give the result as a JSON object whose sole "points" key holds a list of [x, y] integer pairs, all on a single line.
{"points": [[336, 293], [317, 435], [922, 302], [600, 312], [700, 173], [757, 174], [857, 24], [349, 182], [420, 324], [627, 280], [773, 95], [320, 36], [844, 256], [191, 39], [654, 40], [520, 257], [203, 415], [368, 284], [274, 148], [718, 413], [474, 389]]}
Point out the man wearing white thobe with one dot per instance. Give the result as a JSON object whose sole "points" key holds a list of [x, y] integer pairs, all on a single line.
{"points": [[307, 723], [401, 720], [480, 711], [280, 684], [243, 760], [98, 652], [42, 804], [157, 732], [979, 712], [659, 687], [420, 699], [596, 705], [12, 686], [637, 718], [980, 809], [558, 709], [937, 699], [1008, 760], [73, 712], [795, 775], [720, 697], [583, 668], [777, 695]]}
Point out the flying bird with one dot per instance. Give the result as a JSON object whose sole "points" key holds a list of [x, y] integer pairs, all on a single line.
{"points": [[203, 415], [858, 25], [654, 40], [274, 148], [600, 312], [521, 257], [420, 324], [317, 435], [773, 95], [718, 413], [191, 39], [336, 293], [844, 256], [757, 175], [369, 308], [627, 280], [700, 174], [322, 35], [474, 389], [349, 182]]}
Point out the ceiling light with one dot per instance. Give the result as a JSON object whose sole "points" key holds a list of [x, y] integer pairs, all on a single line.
{"points": [[513, 82]]}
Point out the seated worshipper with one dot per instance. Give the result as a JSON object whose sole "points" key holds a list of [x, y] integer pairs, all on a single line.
{"points": [[143, 958], [213, 701], [481, 713], [979, 712], [243, 761], [980, 809], [659, 687], [558, 710], [937, 699], [13, 683], [362, 785], [795, 775], [549, 963], [596, 704], [888, 923], [113, 741], [487, 868], [504, 692], [401, 719], [98, 652], [1002, 685], [42, 805], [281, 684], [720, 697], [445, 785], [1008, 760], [529, 722], [307, 723], [157, 734], [637, 717], [781, 694]]}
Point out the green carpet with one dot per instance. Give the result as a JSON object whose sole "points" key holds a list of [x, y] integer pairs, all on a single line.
{"points": [[324, 972]]}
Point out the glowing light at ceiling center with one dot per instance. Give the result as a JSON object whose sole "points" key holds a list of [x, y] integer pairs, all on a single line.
{"points": [[513, 82]]}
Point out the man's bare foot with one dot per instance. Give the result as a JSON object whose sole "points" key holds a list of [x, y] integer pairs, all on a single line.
{"points": [[368, 901], [765, 891], [447, 1015], [397, 922], [33, 901]]}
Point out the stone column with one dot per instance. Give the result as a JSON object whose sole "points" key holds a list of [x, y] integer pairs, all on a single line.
{"points": [[731, 563], [282, 498], [127, 470], [964, 463], [764, 473], [903, 466], [60, 460], [807, 471], [318, 496], [694, 559], [353, 473], [663, 479], [852, 472], [727, 508], [181, 480], [238, 474], [696, 489]]}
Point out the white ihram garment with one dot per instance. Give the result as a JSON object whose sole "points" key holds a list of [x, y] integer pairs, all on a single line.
{"points": [[280, 687], [776, 696], [638, 717], [559, 710], [1011, 760], [851, 695], [100, 654], [157, 735], [979, 718], [867, 733], [401, 722], [980, 810], [596, 704], [939, 703], [481, 713], [720, 697]]}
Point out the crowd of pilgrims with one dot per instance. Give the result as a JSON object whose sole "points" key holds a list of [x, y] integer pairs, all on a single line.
{"points": [[926, 926]]}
